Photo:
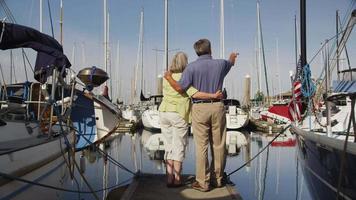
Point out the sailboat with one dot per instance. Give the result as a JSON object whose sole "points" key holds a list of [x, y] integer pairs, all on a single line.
{"points": [[33, 129], [235, 116], [150, 116], [93, 116], [328, 152]]}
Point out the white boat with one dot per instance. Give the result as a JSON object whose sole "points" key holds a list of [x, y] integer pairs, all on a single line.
{"points": [[150, 117], [326, 138], [32, 125], [131, 114], [93, 116], [235, 117]]}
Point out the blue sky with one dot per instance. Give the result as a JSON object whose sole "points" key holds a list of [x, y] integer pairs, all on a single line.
{"points": [[189, 20]]}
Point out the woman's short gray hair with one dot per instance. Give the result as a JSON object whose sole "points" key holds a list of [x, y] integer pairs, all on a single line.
{"points": [[179, 62]]}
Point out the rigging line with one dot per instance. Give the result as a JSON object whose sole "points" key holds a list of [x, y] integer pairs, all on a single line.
{"points": [[8, 11], [348, 13], [68, 165], [264, 148], [102, 152], [85, 180], [91, 143], [324, 43], [50, 17], [4, 82], [13, 20], [346, 52], [16, 178], [343, 158], [74, 161], [24, 66]]}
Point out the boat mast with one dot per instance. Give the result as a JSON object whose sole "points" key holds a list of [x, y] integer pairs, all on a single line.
{"points": [[166, 34], [118, 69], [259, 48], [296, 41], [279, 70], [257, 67], [222, 29], [142, 32], [61, 23], [41, 16], [105, 37], [139, 50], [108, 58], [337, 46], [262, 48], [303, 36]]}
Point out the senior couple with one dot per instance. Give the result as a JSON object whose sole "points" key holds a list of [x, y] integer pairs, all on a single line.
{"points": [[194, 89]]}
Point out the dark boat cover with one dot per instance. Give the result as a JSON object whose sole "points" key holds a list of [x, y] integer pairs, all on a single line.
{"points": [[49, 51]]}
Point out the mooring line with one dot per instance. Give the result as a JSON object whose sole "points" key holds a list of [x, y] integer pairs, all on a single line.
{"points": [[255, 156]]}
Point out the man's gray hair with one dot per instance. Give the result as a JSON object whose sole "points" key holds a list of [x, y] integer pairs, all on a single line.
{"points": [[202, 47]]}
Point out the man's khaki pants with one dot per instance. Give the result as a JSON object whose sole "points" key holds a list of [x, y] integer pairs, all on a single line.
{"points": [[209, 127]]}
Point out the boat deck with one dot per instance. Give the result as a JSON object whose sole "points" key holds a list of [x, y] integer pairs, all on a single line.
{"points": [[153, 187]]}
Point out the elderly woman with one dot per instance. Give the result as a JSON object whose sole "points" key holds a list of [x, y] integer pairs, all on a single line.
{"points": [[175, 116]]}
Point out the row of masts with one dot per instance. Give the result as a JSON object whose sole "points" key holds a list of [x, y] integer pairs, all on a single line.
{"points": [[260, 56]]}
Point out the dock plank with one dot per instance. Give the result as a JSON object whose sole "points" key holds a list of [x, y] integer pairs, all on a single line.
{"points": [[153, 187]]}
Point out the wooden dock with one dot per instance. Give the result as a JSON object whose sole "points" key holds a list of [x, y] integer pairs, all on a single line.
{"points": [[153, 187]]}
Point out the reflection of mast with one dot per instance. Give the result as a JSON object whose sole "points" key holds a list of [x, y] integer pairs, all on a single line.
{"points": [[259, 176], [248, 152], [277, 169], [265, 175], [117, 158], [105, 176], [133, 151]]}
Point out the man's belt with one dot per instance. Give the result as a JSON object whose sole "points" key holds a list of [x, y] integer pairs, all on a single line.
{"points": [[205, 101]]}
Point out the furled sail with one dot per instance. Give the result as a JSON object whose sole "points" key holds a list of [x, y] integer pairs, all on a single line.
{"points": [[49, 51]]}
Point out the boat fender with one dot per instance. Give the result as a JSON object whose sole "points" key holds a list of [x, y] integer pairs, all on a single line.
{"points": [[82, 163]]}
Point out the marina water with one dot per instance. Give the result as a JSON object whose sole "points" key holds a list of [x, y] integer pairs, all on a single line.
{"points": [[275, 174]]}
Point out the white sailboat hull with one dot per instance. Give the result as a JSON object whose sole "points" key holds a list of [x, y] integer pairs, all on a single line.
{"points": [[150, 120], [236, 120], [30, 154]]}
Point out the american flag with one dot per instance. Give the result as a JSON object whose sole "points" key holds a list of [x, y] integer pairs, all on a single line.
{"points": [[296, 105]]}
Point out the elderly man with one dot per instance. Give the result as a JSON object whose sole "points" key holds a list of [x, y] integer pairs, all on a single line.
{"points": [[208, 116]]}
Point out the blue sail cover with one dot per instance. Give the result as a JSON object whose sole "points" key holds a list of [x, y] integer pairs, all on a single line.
{"points": [[49, 51]]}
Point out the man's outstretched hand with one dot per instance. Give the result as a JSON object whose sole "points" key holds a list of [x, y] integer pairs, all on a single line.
{"points": [[233, 57]]}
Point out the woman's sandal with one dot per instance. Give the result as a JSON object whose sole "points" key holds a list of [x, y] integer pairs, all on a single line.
{"points": [[177, 183]]}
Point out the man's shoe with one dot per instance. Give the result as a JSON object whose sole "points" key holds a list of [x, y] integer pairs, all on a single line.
{"points": [[197, 186], [217, 185]]}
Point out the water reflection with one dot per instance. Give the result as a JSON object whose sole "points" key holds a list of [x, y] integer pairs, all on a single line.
{"points": [[274, 174], [234, 141]]}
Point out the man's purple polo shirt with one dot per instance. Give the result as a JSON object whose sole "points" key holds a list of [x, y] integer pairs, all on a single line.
{"points": [[205, 74]]}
